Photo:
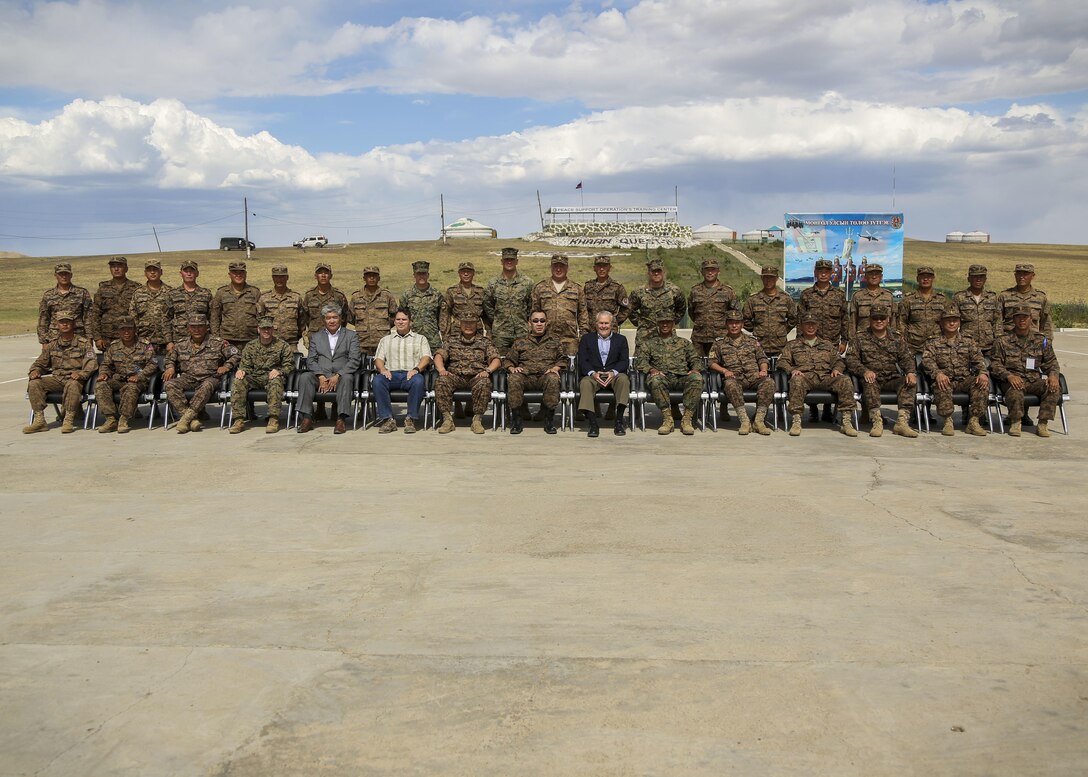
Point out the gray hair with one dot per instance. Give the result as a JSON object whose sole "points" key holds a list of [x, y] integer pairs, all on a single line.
{"points": [[606, 313], [331, 308]]}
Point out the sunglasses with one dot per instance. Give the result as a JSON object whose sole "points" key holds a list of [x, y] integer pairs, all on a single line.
{"points": [[538, 320]]}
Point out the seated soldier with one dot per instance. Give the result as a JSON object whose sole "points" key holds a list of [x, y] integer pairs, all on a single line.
{"points": [[266, 363], [882, 361], [671, 363], [127, 367], [65, 364], [466, 359], [814, 363], [955, 363], [198, 364], [1024, 363], [743, 365], [534, 361], [400, 360]]}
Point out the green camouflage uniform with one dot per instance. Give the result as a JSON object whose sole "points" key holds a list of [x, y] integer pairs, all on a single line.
{"points": [[119, 363], [1011, 354], [195, 367], [463, 359], [148, 310], [537, 355], [287, 311], [111, 303], [961, 360], [372, 314], [890, 359], [180, 304], [76, 302], [829, 306], [567, 316], [1034, 300], [425, 305], [609, 296], [920, 317], [314, 300], [816, 362], [861, 303], [233, 314], [460, 303], [707, 306], [675, 357], [743, 356], [257, 361], [506, 305], [980, 320], [57, 361], [648, 305], [770, 317]]}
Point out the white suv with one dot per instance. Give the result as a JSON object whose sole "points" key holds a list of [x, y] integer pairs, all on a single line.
{"points": [[314, 241]]}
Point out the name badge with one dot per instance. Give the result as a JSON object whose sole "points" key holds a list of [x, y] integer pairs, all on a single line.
{"points": [[1031, 364]]}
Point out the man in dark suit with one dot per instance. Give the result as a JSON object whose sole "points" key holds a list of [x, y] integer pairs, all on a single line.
{"points": [[603, 357], [332, 362]]}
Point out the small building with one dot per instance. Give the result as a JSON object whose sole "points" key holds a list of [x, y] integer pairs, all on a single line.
{"points": [[467, 227], [976, 237], [954, 237], [713, 233]]}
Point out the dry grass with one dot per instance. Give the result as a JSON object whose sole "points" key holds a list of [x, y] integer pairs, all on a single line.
{"points": [[1060, 270]]}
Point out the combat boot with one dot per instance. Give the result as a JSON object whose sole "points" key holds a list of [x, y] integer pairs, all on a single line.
{"points": [[515, 421], [949, 428], [847, 427], [686, 427], [666, 422], [1041, 430], [273, 424], [795, 425], [447, 424], [122, 425], [195, 425], [69, 424], [758, 424], [184, 422], [745, 424], [109, 425], [902, 425], [37, 423], [238, 426], [878, 425], [477, 424], [975, 428], [1014, 429], [549, 419]]}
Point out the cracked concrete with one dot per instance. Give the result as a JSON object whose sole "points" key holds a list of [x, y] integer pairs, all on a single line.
{"points": [[211, 605]]}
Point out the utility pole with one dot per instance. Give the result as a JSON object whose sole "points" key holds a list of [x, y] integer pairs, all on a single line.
{"points": [[442, 215], [157, 244], [245, 205], [540, 208]]}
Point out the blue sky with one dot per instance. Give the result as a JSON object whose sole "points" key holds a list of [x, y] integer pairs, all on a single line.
{"points": [[352, 117]]}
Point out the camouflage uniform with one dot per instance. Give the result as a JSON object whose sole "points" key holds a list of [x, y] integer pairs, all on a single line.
{"points": [[566, 309], [961, 361], [861, 303], [770, 317], [463, 360], [648, 305], [506, 305], [148, 309], [461, 303], [425, 305], [1034, 300], [314, 300], [537, 355], [743, 356], [979, 320], [76, 302], [180, 304], [707, 306], [57, 361], [920, 317], [609, 296], [372, 314], [119, 363], [890, 359], [675, 357], [287, 311], [1010, 358], [195, 370], [829, 306], [257, 361], [234, 314], [816, 363], [111, 303]]}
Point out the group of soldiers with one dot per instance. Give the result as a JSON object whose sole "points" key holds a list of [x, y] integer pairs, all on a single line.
{"points": [[532, 329]]}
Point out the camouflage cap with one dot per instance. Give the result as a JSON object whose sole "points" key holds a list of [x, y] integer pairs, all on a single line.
{"points": [[266, 322], [189, 264], [466, 266], [236, 267], [654, 264], [601, 259], [197, 319], [769, 269], [874, 268], [322, 266], [809, 318], [1025, 267], [925, 269], [734, 315], [950, 311], [509, 253], [665, 317], [421, 266], [66, 315], [121, 260], [824, 264], [709, 264], [126, 321], [1020, 310], [560, 259], [880, 311], [279, 269], [371, 269], [63, 267], [152, 264], [976, 269]]}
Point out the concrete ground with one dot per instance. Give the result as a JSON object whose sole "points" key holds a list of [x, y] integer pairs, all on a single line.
{"points": [[260, 605]]}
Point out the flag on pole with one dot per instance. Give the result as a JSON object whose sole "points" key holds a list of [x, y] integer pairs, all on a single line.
{"points": [[579, 186]]}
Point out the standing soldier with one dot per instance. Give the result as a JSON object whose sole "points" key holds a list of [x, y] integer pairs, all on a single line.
{"points": [[148, 308], [1024, 294], [564, 302], [127, 367], [1024, 363], [198, 364], [743, 366], [466, 359], [979, 311], [708, 302], [671, 362], [534, 361], [506, 302], [424, 304], [828, 304], [606, 295], [656, 299], [266, 362], [770, 314], [64, 298], [111, 303], [185, 301], [920, 311], [882, 362], [955, 363], [815, 363], [868, 297], [65, 364], [324, 293], [372, 309], [234, 308], [462, 301], [285, 307]]}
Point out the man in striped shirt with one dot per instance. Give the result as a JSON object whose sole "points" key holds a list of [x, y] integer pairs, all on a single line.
{"points": [[400, 359]]}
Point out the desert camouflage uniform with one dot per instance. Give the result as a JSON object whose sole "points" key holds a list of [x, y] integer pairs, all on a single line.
{"points": [[257, 361], [610, 296], [148, 310], [981, 320], [830, 307], [372, 314], [920, 318], [461, 303], [1034, 300], [707, 306], [816, 363], [506, 305], [675, 357], [770, 317], [57, 361], [861, 303], [76, 302], [890, 359], [961, 361], [119, 363], [463, 360], [425, 306], [111, 303], [287, 311], [314, 300], [743, 356], [180, 304], [195, 370], [537, 356], [567, 316], [234, 314], [1010, 358], [648, 305]]}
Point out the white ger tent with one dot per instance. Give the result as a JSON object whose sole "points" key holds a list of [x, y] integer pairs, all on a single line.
{"points": [[466, 227]]}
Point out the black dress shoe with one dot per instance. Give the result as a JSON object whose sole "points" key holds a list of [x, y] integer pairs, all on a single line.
{"points": [[619, 429], [549, 419], [515, 422], [594, 430]]}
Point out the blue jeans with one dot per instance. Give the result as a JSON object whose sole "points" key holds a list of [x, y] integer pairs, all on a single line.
{"points": [[415, 388]]}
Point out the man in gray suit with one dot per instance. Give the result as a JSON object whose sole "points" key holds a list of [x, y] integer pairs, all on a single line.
{"points": [[332, 362]]}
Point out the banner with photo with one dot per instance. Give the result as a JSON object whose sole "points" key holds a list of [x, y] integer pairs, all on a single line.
{"points": [[850, 241]]}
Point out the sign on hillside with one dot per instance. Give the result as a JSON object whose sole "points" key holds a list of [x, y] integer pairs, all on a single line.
{"points": [[850, 241]]}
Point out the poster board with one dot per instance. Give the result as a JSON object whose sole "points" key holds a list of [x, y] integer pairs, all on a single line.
{"points": [[851, 241]]}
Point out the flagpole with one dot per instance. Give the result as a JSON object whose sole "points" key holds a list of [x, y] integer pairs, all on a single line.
{"points": [[582, 194]]}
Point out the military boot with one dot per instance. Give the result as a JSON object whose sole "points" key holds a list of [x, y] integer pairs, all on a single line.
{"points": [[975, 428], [238, 426], [745, 424], [122, 425], [795, 425], [666, 422], [477, 424], [1042, 430], [847, 427], [37, 423], [515, 421], [69, 424], [878, 425], [758, 424], [902, 425], [196, 424], [549, 419], [109, 425], [949, 429], [686, 426], [273, 424], [184, 422], [447, 424], [1014, 429]]}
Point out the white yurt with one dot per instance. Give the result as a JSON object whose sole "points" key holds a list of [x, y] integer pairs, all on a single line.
{"points": [[754, 236], [466, 227], [954, 237], [976, 237], [713, 233]]}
